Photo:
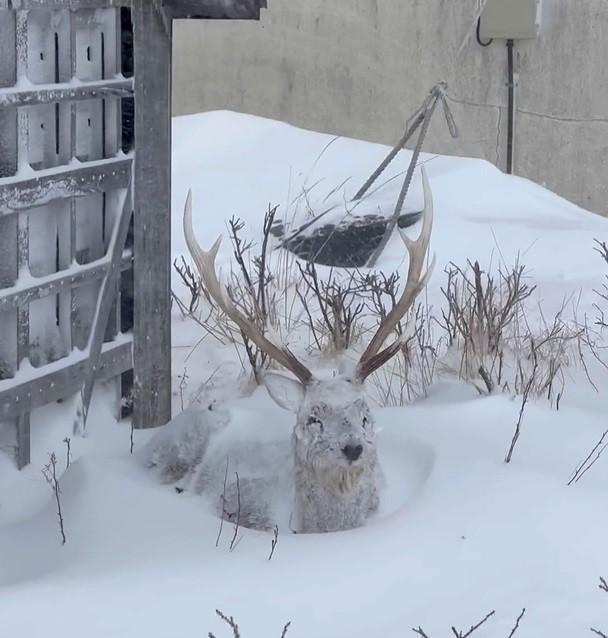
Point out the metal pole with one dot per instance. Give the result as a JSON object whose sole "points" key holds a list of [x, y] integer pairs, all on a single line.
{"points": [[408, 178], [511, 106]]}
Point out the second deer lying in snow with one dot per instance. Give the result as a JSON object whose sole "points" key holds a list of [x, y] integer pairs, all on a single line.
{"points": [[335, 461]]}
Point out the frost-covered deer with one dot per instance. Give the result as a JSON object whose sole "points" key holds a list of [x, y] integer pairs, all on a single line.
{"points": [[334, 454]]}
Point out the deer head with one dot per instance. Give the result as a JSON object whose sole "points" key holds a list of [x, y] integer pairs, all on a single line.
{"points": [[334, 438]]}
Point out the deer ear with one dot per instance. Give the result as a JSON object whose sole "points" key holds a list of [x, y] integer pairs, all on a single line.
{"points": [[285, 392]]}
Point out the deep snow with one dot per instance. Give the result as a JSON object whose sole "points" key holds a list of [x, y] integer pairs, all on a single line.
{"points": [[459, 532]]}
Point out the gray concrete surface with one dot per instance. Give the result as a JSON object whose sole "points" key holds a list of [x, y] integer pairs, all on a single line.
{"points": [[359, 68]]}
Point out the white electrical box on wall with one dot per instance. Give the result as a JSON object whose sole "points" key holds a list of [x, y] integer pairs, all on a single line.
{"points": [[510, 19]]}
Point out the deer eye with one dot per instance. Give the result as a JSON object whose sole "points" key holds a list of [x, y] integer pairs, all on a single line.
{"points": [[365, 421], [312, 420]]}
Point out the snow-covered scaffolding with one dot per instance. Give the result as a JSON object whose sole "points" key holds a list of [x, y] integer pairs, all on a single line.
{"points": [[81, 298]]}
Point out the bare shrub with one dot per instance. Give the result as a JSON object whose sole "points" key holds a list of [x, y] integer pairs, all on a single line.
{"points": [[251, 288], [248, 289], [209, 318], [335, 325], [491, 343], [409, 376], [192, 283], [480, 310], [328, 311]]}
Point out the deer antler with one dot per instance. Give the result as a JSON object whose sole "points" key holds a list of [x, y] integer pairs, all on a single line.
{"points": [[374, 358], [205, 264]]}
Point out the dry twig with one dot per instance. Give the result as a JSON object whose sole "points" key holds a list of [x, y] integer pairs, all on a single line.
{"points": [[590, 459], [460, 634], [604, 587], [230, 622], [236, 633], [192, 283], [516, 626], [49, 471], [274, 541], [338, 304], [465, 634], [68, 454], [234, 542], [524, 400], [219, 533]]}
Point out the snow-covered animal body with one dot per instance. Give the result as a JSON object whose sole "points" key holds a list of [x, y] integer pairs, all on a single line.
{"points": [[334, 465]]}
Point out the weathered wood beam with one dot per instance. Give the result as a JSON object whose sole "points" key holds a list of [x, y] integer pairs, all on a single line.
{"points": [[19, 193], [58, 380], [62, 4], [229, 9], [66, 92], [152, 218], [214, 9], [58, 282]]}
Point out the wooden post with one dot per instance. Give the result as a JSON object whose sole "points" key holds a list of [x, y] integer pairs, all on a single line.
{"points": [[152, 216]]}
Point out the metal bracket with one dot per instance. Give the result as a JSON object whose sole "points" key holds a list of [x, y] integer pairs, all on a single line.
{"points": [[421, 117]]}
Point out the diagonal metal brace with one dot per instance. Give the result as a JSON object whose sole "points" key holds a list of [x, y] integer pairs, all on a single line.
{"points": [[421, 118], [105, 300]]}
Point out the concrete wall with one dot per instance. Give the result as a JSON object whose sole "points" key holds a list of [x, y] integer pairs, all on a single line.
{"points": [[360, 67]]}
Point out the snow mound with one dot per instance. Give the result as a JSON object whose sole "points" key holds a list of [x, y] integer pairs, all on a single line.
{"points": [[459, 532]]}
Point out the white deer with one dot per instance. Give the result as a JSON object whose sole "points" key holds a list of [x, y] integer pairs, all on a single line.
{"points": [[335, 460]]}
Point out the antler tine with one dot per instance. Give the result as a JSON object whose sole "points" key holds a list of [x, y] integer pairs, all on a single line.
{"points": [[205, 264], [373, 358]]}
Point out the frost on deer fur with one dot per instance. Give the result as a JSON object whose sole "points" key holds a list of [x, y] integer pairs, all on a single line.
{"points": [[201, 448], [299, 477], [178, 449], [336, 471]]}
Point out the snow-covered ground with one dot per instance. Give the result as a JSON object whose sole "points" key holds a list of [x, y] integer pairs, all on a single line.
{"points": [[459, 532]]}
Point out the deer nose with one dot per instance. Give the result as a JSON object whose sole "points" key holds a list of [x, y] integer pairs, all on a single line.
{"points": [[352, 452]]}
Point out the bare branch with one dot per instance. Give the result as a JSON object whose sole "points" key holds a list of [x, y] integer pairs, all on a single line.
{"points": [[219, 533], [590, 459], [191, 281], [234, 542], [524, 400], [49, 471], [230, 622], [516, 626], [236, 633], [68, 453], [338, 305], [274, 541], [473, 628]]}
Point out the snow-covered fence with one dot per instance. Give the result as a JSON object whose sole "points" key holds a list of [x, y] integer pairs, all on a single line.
{"points": [[66, 181]]}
